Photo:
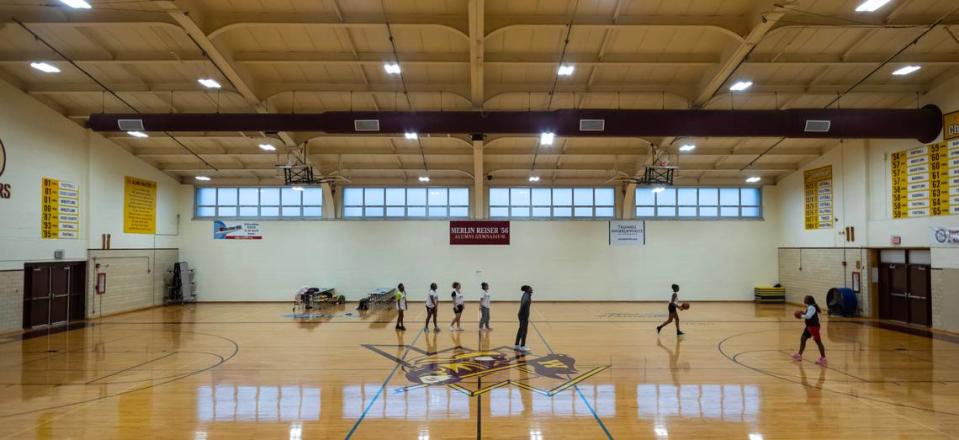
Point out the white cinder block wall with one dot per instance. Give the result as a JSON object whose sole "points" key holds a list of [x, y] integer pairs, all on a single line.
{"points": [[11, 300], [136, 279]]}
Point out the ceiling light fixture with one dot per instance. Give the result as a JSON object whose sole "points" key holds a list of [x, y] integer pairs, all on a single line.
{"points": [[871, 5], [411, 135], [566, 70], [267, 147], [392, 68], [534, 178], [138, 134], [687, 147], [76, 4], [297, 188], [753, 179], [209, 83], [202, 178], [45, 67], [740, 86], [659, 189], [424, 179], [547, 138], [905, 70]]}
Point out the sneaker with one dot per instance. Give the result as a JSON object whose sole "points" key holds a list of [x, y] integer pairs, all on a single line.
{"points": [[452, 328], [797, 357], [524, 349], [679, 333], [821, 361], [517, 347]]}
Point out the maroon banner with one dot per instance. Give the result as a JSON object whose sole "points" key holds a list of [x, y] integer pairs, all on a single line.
{"points": [[464, 232]]}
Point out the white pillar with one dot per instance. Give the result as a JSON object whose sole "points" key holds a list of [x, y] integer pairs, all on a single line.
{"points": [[629, 201], [329, 202], [479, 192]]}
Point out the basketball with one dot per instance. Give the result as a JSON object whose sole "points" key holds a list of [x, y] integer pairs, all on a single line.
{"points": [[798, 314], [685, 306]]}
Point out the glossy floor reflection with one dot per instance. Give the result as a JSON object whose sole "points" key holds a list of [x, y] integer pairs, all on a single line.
{"points": [[597, 370]]}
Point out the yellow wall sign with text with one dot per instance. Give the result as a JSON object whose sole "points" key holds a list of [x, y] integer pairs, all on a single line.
{"points": [[925, 180], [59, 210], [950, 126], [139, 206], [818, 198]]}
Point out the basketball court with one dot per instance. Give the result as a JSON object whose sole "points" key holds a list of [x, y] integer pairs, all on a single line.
{"points": [[684, 219]]}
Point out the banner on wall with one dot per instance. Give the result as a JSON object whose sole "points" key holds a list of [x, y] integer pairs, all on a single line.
{"points": [[479, 232], [236, 231], [139, 206], [59, 210], [944, 236], [925, 180], [950, 126], [627, 233], [818, 195], [5, 188]]}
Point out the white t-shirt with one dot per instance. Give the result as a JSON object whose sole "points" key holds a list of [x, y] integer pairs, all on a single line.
{"points": [[458, 298], [484, 299], [432, 299]]}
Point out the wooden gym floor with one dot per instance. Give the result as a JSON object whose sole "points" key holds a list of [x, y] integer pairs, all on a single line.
{"points": [[597, 370]]}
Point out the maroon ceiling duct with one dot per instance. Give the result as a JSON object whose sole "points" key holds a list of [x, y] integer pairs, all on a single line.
{"points": [[923, 124]]}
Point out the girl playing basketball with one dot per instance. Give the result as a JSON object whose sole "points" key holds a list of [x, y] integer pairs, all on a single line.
{"points": [[673, 312], [432, 303], [811, 318], [458, 305], [400, 306]]}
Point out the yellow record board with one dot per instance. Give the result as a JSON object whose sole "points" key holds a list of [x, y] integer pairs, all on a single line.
{"points": [[59, 210], [139, 206], [925, 181], [950, 126], [818, 197]]}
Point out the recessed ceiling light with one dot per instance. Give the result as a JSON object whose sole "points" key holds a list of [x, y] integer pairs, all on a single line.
{"points": [[138, 134], [76, 4], [566, 70], [411, 135], [871, 5], [424, 179], [905, 70], [392, 68], [687, 147], [534, 178], [547, 138], [45, 67], [659, 189], [739, 86], [753, 179], [267, 147], [755, 436], [209, 83], [297, 188], [202, 178]]}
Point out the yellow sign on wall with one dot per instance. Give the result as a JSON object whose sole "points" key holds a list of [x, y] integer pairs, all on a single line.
{"points": [[59, 210], [925, 181], [818, 197], [950, 126], [139, 206]]}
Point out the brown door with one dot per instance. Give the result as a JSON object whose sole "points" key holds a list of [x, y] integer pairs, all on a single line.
{"points": [[898, 288], [78, 288], [36, 310], [920, 305], [59, 294]]}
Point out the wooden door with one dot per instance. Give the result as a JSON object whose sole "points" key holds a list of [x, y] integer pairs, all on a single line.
{"points": [[59, 294], [78, 288], [920, 302], [36, 307], [898, 290]]}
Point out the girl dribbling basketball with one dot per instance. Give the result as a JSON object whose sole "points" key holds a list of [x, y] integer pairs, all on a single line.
{"points": [[811, 318], [673, 312]]}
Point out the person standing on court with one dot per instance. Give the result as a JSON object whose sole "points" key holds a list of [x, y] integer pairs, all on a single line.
{"points": [[400, 306], [432, 303], [673, 312], [484, 307], [458, 306], [524, 307]]}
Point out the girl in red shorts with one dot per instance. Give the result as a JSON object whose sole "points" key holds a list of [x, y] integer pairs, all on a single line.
{"points": [[812, 330]]}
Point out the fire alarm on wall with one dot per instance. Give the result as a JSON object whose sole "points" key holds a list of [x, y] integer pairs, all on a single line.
{"points": [[896, 240]]}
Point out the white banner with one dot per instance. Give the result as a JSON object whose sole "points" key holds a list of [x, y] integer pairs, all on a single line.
{"points": [[236, 231], [627, 233], [943, 236]]}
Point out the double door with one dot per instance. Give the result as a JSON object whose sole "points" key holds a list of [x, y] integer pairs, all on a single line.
{"points": [[53, 293], [904, 293]]}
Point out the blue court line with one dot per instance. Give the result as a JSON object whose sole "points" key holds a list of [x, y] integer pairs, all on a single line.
{"points": [[576, 387], [383, 387]]}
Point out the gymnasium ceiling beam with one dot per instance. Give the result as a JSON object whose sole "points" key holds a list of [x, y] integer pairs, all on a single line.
{"points": [[255, 152], [477, 14]]}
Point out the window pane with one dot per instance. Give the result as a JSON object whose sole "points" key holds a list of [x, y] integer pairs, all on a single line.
{"points": [[668, 211], [687, 196], [519, 212], [206, 196], [583, 197], [666, 198], [416, 196], [312, 212], [269, 211], [519, 197], [376, 211], [352, 212], [750, 196], [394, 211], [559, 211], [750, 211], [290, 197], [206, 212], [270, 196], [249, 196], [437, 211], [499, 196], [562, 197], [645, 197], [708, 211], [229, 211], [645, 211], [313, 196], [291, 211], [729, 196], [437, 197], [708, 196], [226, 196], [461, 211], [605, 197], [582, 212], [541, 211], [542, 197], [373, 196], [729, 211], [604, 212], [498, 212], [459, 197], [249, 211], [687, 211], [416, 211], [395, 197]]}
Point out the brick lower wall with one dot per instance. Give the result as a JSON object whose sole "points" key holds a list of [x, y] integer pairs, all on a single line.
{"points": [[813, 271], [11, 300], [136, 279], [945, 299]]}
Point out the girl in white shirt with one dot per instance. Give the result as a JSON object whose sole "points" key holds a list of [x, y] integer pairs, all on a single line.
{"points": [[484, 307], [458, 306], [432, 303]]}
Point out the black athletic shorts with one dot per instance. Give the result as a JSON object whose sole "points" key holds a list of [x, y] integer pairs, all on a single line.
{"points": [[672, 308], [457, 309]]}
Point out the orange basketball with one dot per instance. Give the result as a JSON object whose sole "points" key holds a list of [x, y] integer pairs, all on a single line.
{"points": [[798, 314], [685, 306]]}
